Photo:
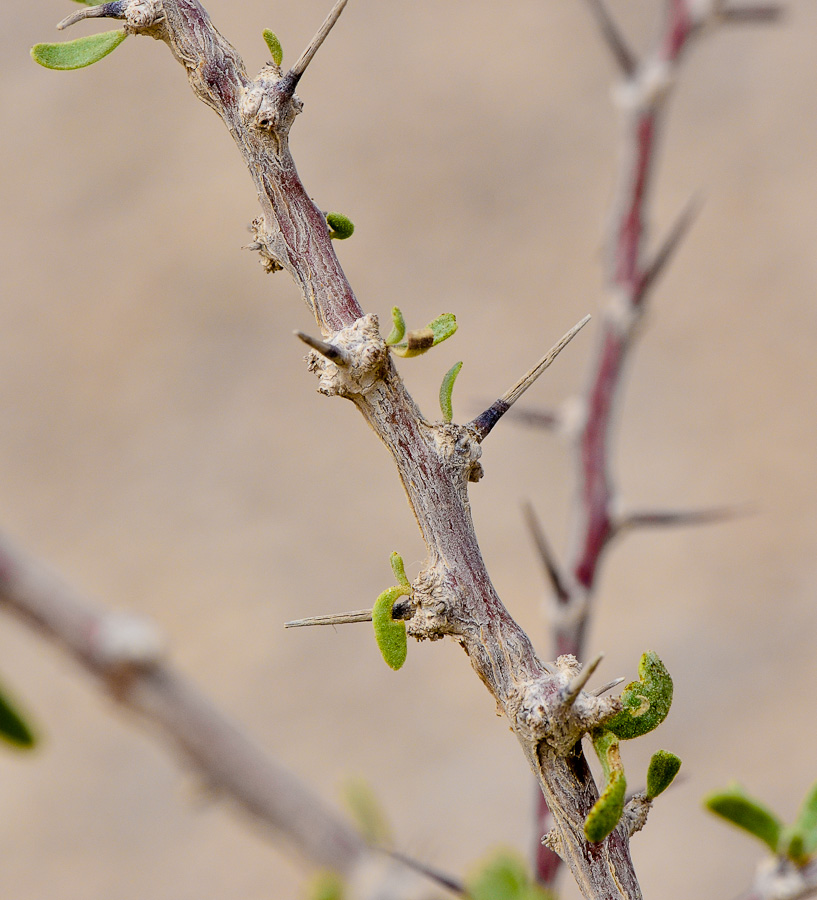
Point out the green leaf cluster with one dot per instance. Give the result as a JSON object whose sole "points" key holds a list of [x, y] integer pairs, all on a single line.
{"points": [[423, 339], [390, 633], [797, 842], [504, 877]]}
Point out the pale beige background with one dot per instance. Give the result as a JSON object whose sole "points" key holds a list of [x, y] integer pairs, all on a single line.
{"points": [[164, 447]]}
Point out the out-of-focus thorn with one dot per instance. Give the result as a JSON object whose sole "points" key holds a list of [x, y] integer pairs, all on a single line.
{"points": [[545, 552], [330, 351], [537, 418], [314, 45], [446, 881], [486, 420], [613, 37], [752, 14], [360, 615], [575, 687], [667, 250], [674, 518], [597, 692]]}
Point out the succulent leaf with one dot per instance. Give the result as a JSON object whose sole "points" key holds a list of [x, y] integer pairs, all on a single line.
{"points": [[398, 329], [446, 389], [607, 810], [661, 771], [807, 821], [79, 53], [275, 48], [422, 340], [399, 569], [390, 633], [340, 227], [646, 702], [737, 807]]}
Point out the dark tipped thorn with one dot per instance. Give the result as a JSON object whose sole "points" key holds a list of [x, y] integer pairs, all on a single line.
{"points": [[575, 687], [115, 10], [753, 14], [667, 250], [484, 422], [330, 351], [545, 553], [613, 37], [360, 615], [607, 687], [675, 518], [314, 45]]}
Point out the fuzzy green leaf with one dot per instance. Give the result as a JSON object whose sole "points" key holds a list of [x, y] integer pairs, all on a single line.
{"points": [[275, 48], [399, 569], [14, 729], [422, 340], [398, 329], [79, 53], [661, 771], [504, 877], [326, 885], [340, 227], [443, 327], [446, 389], [646, 702], [807, 821], [390, 633], [367, 812], [607, 810], [736, 807]]}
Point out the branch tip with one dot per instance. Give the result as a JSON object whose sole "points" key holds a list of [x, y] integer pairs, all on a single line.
{"points": [[360, 615], [575, 687], [484, 423], [314, 45], [624, 57], [330, 351]]}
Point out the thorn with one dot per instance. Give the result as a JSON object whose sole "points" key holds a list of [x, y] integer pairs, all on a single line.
{"points": [[607, 687], [762, 13], [360, 615], [441, 878], [306, 57], [671, 243], [330, 351], [613, 37], [486, 420], [255, 245], [672, 518], [115, 10], [545, 553], [573, 690], [541, 418]]}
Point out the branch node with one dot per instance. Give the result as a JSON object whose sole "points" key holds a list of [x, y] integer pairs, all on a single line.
{"points": [[572, 691]]}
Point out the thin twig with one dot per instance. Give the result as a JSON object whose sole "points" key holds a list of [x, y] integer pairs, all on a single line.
{"points": [[613, 37], [545, 553], [360, 615], [314, 45]]}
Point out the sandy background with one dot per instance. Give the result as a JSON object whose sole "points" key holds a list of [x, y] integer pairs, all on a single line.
{"points": [[163, 446]]}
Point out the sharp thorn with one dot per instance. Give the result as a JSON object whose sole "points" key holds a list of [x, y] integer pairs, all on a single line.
{"points": [[113, 10], [486, 420], [667, 250], [440, 878], [597, 692], [360, 615], [541, 418], [545, 553], [613, 37], [761, 13], [675, 518], [330, 351], [573, 690], [306, 57]]}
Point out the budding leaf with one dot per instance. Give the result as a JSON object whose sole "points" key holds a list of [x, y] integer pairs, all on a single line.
{"points": [[390, 633], [399, 569], [807, 821], [607, 810], [340, 227], [661, 771], [446, 389], [275, 48], [736, 807], [646, 702], [418, 342], [13, 727], [79, 53], [398, 329]]}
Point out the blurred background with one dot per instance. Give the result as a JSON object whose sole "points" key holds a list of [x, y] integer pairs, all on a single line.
{"points": [[163, 446]]}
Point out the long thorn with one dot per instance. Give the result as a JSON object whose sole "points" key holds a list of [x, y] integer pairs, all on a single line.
{"points": [[667, 250], [764, 12], [537, 418], [613, 37], [440, 878], [360, 615], [675, 518], [545, 552], [330, 351], [575, 687], [113, 10], [597, 692], [486, 420], [306, 57]]}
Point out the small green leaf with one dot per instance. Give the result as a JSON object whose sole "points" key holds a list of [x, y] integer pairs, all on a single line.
{"points": [[807, 821], [646, 702], [340, 227], [661, 771], [398, 329], [399, 569], [91, 2], [275, 48], [390, 633], [736, 807], [446, 389], [367, 812], [326, 885], [79, 53], [792, 845], [422, 340], [504, 877], [14, 729], [443, 327], [607, 810]]}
